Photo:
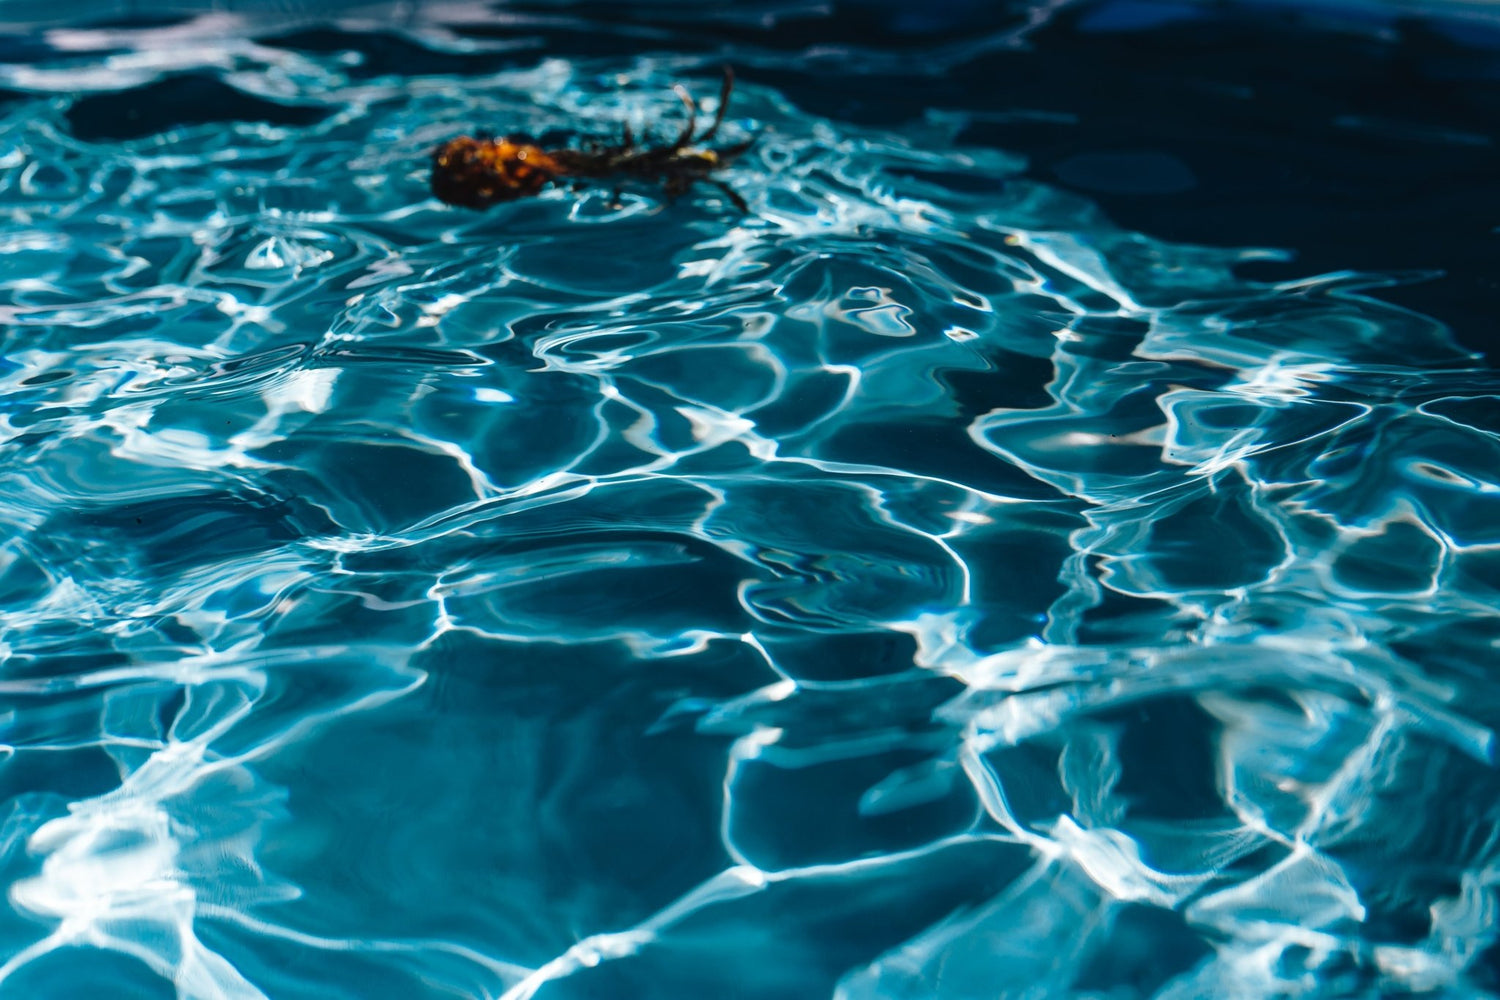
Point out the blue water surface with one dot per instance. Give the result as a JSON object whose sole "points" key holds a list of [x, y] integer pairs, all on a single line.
{"points": [[958, 578]]}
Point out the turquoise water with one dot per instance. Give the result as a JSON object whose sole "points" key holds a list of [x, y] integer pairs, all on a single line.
{"points": [[924, 586]]}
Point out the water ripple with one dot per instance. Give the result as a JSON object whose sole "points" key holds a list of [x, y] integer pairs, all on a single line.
{"points": [[921, 586]]}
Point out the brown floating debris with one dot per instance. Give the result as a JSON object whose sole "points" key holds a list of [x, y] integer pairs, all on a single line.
{"points": [[480, 172]]}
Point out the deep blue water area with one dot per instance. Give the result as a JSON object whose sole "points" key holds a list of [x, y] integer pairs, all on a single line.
{"points": [[1049, 547]]}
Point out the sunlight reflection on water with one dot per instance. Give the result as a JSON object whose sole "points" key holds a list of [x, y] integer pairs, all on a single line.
{"points": [[895, 592]]}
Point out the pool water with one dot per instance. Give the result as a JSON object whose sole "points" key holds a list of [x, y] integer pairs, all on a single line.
{"points": [[1049, 547]]}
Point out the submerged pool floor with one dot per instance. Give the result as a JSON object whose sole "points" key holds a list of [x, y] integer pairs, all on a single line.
{"points": [[1048, 547]]}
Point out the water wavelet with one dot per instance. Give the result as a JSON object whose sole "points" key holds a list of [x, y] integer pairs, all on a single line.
{"points": [[921, 585]]}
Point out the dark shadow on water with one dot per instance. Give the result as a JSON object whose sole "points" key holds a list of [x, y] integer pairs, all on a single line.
{"points": [[188, 99], [1357, 138], [1349, 137]]}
